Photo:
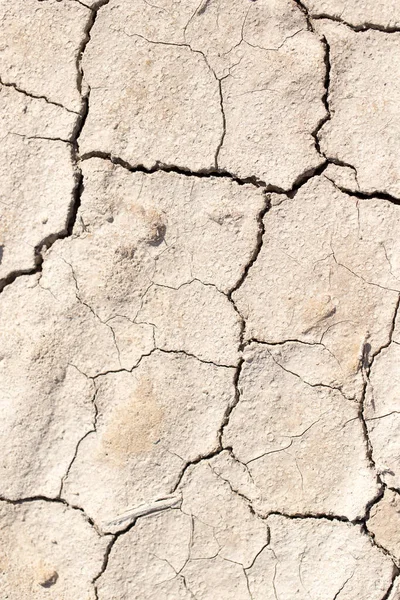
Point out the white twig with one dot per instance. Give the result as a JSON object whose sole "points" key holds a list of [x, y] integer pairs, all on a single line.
{"points": [[157, 505]]}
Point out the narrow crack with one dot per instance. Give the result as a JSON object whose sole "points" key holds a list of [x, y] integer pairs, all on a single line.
{"points": [[231, 407], [248, 583], [372, 538], [190, 355], [36, 96], [395, 574], [314, 516], [362, 28], [382, 287], [56, 500], [81, 50], [340, 590], [305, 12], [221, 99], [253, 340], [40, 137], [301, 180], [292, 516], [104, 565], [314, 385], [185, 585], [256, 251], [275, 49], [360, 194], [180, 286], [366, 369], [152, 351], [369, 448], [92, 430], [235, 491], [91, 309], [122, 369], [81, 3], [392, 412], [325, 97], [292, 438], [390, 336], [193, 462], [341, 163], [158, 166]]}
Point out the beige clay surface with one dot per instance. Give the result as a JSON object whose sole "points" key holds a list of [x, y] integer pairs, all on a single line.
{"points": [[199, 294]]}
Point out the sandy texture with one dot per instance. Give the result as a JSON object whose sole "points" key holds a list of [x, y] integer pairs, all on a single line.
{"points": [[199, 293]]}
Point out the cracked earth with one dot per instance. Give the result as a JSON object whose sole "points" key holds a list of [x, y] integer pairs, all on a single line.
{"points": [[200, 284]]}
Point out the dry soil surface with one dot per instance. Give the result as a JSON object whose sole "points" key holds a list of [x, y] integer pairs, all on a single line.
{"points": [[200, 282]]}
